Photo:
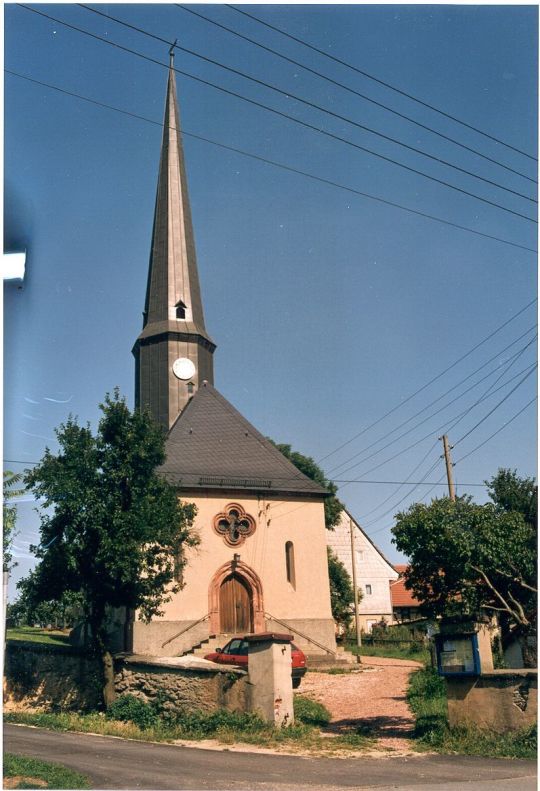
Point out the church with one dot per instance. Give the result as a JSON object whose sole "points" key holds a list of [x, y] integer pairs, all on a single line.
{"points": [[261, 564]]}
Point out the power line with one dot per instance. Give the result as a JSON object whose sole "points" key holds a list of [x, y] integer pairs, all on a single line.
{"points": [[356, 480], [511, 361], [507, 423], [431, 381], [464, 414], [353, 91], [454, 387], [281, 114], [382, 82], [279, 165], [407, 480], [496, 406], [438, 483], [405, 496], [318, 107], [458, 419]]}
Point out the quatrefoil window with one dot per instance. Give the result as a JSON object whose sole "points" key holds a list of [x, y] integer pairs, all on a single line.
{"points": [[234, 525]]}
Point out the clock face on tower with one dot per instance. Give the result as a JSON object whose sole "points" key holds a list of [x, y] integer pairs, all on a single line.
{"points": [[183, 368]]}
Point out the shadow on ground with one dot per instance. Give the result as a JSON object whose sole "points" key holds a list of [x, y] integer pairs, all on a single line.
{"points": [[394, 727]]}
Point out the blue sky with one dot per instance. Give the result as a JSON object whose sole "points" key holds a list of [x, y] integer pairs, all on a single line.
{"points": [[329, 309]]}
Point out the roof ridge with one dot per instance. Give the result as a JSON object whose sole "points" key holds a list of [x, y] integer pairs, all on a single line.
{"points": [[373, 544], [261, 439], [212, 445]]}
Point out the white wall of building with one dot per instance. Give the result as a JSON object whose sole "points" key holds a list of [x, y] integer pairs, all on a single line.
{"points": [[373, 572]]}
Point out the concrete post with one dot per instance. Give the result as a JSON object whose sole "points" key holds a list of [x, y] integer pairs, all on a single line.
{"points": [[269, 666]]}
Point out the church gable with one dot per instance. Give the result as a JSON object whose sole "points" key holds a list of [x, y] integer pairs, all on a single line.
{"points": [[212, 446]]}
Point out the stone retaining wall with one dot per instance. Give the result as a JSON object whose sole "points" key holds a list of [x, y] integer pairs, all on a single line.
{"points": [[60, 677], [184, 683], [499, 701]]}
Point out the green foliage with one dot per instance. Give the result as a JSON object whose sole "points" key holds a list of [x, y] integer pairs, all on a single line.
{"points": [[225, 726], [466, 557], [310, 712], [412, 651], [198, 724], [510, 493], [341, 590], [128, 708], [60, 613], [116, 527], [54, 775], [332, 506], [112, 530], [9, 516]]}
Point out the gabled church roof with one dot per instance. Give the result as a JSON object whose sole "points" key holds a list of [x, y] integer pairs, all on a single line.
{"points": [[212, 446]]}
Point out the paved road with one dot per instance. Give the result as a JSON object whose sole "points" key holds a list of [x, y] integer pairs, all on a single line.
{"points": [[113, 763]]}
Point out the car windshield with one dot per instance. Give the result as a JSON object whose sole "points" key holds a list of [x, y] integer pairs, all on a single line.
{"points": [[232, 647]]}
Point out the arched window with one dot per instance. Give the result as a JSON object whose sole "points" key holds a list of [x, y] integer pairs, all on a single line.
{"points": [[180, 310], [289, 560]]}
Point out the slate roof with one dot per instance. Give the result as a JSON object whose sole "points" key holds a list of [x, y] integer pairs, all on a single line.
{"points": [[212, 446]]}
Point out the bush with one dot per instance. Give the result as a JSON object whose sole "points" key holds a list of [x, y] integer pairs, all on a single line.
{"points": [[310, 712], [128, 708]]}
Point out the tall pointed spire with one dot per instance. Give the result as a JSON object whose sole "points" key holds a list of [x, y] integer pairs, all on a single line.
{"points": [[174, 352]]}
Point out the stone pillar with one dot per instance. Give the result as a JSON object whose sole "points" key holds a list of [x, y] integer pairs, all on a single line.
{"points": [[483, 635], [269, 664]]}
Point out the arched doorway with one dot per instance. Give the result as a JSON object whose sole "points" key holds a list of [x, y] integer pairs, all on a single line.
{"points": [[235, 606], [235, 597]]}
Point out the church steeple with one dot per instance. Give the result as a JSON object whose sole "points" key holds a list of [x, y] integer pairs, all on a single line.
{"points": [[173, 353]]}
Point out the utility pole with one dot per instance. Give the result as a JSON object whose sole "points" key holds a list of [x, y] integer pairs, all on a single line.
{"points": [[449, 465], [355, 590]]}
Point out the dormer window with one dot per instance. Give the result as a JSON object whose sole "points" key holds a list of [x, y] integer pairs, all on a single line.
{"points": [[180, 310]]}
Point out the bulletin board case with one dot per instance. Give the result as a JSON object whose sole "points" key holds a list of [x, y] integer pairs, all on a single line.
{"points": [[457, 655]]}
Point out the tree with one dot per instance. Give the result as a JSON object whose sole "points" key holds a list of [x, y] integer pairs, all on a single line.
{"points": [[465, 558], [332, 506], [9, 516], [341, 591], [27, 609], [111, 528], [509, 493]]}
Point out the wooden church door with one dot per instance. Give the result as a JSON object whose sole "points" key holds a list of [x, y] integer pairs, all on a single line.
{"points": [[235, 606]]}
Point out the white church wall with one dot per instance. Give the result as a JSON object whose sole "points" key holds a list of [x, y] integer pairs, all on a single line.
{"points": [[304, 605]]}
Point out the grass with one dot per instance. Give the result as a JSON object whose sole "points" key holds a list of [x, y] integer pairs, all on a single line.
{"points": [[52, 775], [34, 634], [427, 699], [224, 726], [391, 652]]}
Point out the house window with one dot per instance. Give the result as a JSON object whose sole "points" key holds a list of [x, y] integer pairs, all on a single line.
{"points": [[289, 561], [368, 590], [180, 310]]}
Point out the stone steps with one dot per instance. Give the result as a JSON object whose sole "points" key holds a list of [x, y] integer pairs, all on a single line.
{"points": [[209, 645], [342, 657]]}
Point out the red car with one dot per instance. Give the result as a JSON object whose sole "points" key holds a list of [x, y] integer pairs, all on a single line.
{"points": [[236, 653]]}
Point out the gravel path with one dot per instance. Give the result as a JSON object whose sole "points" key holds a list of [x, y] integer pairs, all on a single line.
{"points": [[373, 699]]}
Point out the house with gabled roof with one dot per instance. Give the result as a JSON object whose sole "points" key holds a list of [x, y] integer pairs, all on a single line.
{"points": [[405, 605], [374, 573]]}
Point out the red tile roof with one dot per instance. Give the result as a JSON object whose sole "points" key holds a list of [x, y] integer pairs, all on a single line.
{"points": [[401, 597]]}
